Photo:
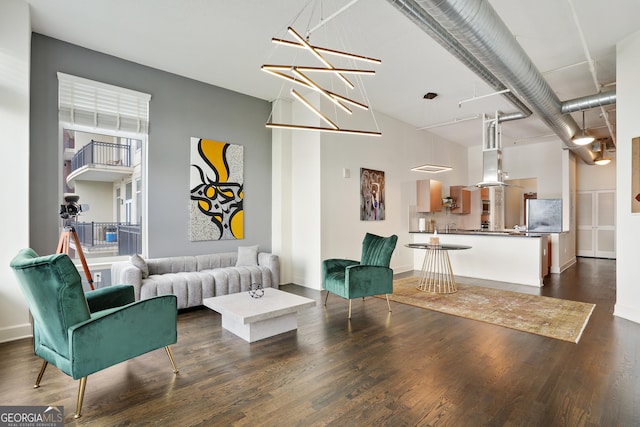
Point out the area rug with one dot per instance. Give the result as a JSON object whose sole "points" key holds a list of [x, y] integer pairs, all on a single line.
{"points": [[550, 317]]}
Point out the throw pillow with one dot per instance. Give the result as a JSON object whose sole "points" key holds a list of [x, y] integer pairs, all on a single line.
{"points": [[137, 261], [247, 255]]}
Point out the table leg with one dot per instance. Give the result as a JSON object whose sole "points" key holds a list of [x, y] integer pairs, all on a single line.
{"points": [[436, 275]]}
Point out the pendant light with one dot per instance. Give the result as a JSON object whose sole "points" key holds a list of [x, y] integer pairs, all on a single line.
{"points": [[603, 159], [583, 138]]}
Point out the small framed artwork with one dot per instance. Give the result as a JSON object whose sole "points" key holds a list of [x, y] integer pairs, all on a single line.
{"points": [[372, 201]]}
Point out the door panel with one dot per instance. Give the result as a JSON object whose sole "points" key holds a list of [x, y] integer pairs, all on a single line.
{"points": [[596, 216]]}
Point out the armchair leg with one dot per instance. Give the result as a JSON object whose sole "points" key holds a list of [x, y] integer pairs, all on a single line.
{"points": [[41, 373], [326, 298], [388, 304], [173, 362], [349, 309], [81, 387]]}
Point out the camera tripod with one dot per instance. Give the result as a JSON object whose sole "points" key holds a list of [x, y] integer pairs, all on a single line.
{"points": [[63, 248]]}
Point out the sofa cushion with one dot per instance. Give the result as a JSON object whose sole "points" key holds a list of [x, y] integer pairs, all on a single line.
{"points": [[171, 265], [211, 261], [139, 262], [247, 255]]}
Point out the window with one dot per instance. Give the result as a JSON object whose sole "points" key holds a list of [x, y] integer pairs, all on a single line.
{"points": [[104, 133]]}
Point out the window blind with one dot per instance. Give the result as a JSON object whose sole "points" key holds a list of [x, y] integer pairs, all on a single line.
{"points": [[100, 105]]}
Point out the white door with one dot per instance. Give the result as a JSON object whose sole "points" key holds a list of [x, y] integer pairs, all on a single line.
{"points": [[596, 218]]}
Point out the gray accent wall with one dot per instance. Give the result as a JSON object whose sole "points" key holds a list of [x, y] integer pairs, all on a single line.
{"points": [[179, 109]]}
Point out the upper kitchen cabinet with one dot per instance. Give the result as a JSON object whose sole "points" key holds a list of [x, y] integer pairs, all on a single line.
{"points": [[429, 196], [461, 199]]}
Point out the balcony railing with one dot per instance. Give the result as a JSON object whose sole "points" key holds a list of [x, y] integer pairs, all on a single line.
{"points": [[129, 239], [104, 236], [102, 153]]}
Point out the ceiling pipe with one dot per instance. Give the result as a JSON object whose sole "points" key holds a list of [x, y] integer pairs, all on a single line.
{"points": [[588, 102], [412, 10], [478, 31]]}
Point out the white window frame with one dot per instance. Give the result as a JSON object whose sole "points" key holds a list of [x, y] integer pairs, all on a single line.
{"points": [[65, 121]]}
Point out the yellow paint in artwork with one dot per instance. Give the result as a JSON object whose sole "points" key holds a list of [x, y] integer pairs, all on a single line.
{"points": [[212, 151], [210, 193], [204, 205], [237, 225]]}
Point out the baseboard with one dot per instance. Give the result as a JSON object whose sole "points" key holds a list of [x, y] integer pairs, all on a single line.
{"points": [[625, 312], [564, 266], [402, 269], [16, 332]]}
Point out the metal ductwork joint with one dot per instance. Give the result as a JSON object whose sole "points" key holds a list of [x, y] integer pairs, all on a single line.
{"points": [[589, 102], [477, 31]]}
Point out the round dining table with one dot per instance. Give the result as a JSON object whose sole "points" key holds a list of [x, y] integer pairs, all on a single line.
{"points": [[436, 274]]}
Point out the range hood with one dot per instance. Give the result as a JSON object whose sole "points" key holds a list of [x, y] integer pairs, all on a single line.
{"points": [[492, 175], [491, 169]]}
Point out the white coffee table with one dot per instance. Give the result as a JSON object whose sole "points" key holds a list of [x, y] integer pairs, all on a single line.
{"points": [[253, 319]]}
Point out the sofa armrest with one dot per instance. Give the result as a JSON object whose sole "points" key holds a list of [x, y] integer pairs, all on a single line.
{"points": [[109, 297], [272, 262], [124, 272]]}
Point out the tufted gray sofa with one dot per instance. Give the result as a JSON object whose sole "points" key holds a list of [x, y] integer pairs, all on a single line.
{"points": [[192, 278]]}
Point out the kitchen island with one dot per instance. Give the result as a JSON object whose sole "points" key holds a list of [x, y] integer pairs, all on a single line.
{"points": [[512, 257]]}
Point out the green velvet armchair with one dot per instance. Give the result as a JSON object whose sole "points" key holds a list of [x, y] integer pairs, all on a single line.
{"points": [[84, 333], [371, 276]]}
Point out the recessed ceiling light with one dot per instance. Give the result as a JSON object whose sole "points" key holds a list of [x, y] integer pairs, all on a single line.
{"points": [[430, 95]]}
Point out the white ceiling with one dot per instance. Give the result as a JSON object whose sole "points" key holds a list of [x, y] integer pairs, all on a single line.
{"points": [[224, 43]]}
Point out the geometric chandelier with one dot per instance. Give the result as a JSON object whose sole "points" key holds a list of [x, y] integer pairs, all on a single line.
{"points": [[304, 77]]}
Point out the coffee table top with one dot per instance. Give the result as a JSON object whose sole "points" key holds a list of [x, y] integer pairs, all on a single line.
{"points": [[245, 309]]}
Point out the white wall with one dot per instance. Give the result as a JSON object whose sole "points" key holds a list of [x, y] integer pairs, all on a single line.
{"points": [[15, 49], [628, 224], [282, 183], [542, 161], [325, 220], [597, 177], [305, 198]]}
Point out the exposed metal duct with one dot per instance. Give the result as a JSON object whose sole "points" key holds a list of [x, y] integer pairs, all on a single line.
{"points": [[477, 31], [589, 102], [429, 25]]}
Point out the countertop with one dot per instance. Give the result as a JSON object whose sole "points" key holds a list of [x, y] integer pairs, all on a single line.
{"points": [[504, 233]]}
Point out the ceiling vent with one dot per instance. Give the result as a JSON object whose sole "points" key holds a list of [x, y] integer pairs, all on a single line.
{"points": [[473, 32]]}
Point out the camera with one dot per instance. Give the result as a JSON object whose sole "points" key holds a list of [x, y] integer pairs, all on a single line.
{"points": [[71, 207]]}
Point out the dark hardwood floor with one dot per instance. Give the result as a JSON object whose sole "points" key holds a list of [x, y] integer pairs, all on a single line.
{"points": [[409, 367]]}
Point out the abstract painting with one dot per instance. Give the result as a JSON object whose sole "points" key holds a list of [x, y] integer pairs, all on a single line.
{"points": [[216, 206], [371, 195]]}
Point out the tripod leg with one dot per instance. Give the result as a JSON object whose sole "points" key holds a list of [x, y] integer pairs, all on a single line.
{"points": [[63, 243], [85, 267]]}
